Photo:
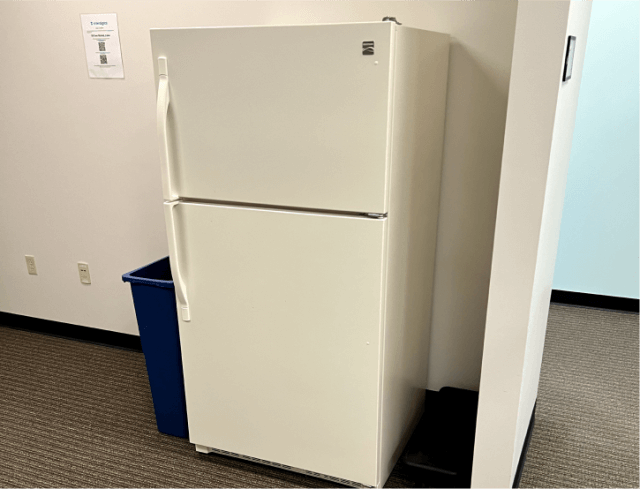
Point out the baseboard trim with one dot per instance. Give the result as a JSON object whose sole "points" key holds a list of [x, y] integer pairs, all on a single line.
{"points": [[525, 449], [595, 300], [71, 331]]}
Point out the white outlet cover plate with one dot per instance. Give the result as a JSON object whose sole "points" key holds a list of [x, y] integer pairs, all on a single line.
{"points": [[31, 264], [83, 269]]}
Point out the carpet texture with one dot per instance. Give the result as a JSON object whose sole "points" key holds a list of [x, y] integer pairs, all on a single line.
{"points": [[75, 414]]}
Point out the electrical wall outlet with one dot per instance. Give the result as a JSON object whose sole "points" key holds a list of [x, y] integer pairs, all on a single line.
{"points": [[83, 268], [31, 265]]}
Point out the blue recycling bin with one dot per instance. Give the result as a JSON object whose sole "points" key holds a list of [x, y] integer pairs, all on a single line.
{"points": [[155, 304]]}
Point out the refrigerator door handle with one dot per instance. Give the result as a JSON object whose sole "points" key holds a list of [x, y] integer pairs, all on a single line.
{"points": [[181, 292], [162, 109]]}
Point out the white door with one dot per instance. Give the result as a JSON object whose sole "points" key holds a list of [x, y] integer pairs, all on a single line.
{"points": [[294, 116], [282, 353]]}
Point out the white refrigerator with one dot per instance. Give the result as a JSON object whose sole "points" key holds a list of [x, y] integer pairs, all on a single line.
{"points": [[301, 172]]}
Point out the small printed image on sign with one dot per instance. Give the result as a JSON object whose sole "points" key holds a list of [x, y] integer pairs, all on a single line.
{"points": [[101, 46], [367, 48], [568, 62], [103, 59]]}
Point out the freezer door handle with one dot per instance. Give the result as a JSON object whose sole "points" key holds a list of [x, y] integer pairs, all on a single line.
{"points": [[181, 292], [162, 109]]}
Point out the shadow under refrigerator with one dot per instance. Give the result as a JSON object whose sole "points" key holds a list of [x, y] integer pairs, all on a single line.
{"points": [[301, 175]]}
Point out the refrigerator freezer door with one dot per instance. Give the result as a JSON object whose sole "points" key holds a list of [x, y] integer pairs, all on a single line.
{"points": [[292, 116], [281, 356]]}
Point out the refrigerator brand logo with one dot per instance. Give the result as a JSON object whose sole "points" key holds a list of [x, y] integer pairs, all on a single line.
{"points": [[367, 48]]}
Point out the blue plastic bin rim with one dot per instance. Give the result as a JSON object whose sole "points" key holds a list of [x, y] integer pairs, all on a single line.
{"points": [[131, 276]]}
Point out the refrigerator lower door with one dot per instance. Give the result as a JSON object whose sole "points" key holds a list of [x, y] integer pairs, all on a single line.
{"points": [[282, 353]]}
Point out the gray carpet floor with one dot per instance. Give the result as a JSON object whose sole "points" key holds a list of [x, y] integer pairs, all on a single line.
{"points": [[75, 414]]}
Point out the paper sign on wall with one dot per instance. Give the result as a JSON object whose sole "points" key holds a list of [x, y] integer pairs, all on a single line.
{"points": [[102, 45]]}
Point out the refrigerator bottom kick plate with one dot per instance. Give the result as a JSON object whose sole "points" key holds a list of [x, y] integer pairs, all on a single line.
{"points": [[338, 480]]}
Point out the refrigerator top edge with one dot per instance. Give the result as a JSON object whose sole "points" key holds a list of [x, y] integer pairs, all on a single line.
{"points": [[153, 29], [270, 26]]}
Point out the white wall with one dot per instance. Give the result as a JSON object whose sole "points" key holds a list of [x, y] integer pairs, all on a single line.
{"points": [[80, 178], [537, 147], [479, 73]]}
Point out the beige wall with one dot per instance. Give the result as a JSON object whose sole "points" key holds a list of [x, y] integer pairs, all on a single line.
{"points": [[80, 178]]}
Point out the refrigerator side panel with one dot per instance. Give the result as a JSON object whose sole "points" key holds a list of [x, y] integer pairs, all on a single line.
{"points": [[420, 84], [289, 116], [281, 353]]}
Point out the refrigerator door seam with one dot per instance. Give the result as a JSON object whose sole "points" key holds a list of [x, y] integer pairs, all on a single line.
{"points": [[306, 210]]}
